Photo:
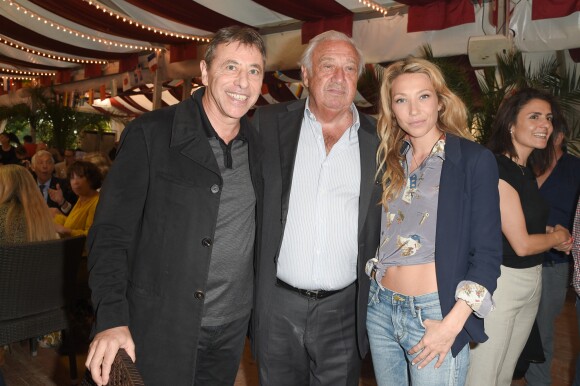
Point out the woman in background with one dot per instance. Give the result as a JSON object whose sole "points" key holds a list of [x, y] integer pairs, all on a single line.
{"points": [[85, 180], [523, 125], [24, 215], [440, 252], [99, 160]]}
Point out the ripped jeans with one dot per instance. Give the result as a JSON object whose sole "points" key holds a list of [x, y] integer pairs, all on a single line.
{"points": [[395, 325]]}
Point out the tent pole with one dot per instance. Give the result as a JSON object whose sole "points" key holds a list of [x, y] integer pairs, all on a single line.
{"points": [[158, 81]]}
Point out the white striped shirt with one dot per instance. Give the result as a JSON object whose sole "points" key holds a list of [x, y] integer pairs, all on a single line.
{"points": [[319, 247]]}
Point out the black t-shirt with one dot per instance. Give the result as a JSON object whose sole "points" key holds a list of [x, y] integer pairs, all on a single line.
{"points": [[534, 206], [8, 157]]}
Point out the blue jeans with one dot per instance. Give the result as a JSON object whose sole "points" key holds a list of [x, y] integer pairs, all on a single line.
{"points": [[395, 325]]}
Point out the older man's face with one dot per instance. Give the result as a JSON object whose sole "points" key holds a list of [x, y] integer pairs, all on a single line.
{"points": [[43, 167], [332, 81]]}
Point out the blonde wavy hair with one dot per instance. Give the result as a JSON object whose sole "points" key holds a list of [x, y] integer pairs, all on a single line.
{"points": [[20, 192], [452, 119]]}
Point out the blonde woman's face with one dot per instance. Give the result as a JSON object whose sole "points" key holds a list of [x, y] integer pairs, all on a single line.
{"points": [[415, 105]]}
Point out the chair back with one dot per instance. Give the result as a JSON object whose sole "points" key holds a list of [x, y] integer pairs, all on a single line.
{"points": [[123, 372], [36, 280]]}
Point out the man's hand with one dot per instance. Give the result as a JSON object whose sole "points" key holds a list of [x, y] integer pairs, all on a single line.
{"points": [[56, 195], [103, 349]]}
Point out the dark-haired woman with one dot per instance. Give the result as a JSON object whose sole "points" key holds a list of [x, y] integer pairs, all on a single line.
{"points": [[85, 178], [523, 125]]}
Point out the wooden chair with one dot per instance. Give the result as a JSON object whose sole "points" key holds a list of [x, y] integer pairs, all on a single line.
{"points": [[123, 372], [36, 284]]}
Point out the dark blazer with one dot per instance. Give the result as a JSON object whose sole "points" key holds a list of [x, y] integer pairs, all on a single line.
{"points": [[468, 244], [150, 244], [279, 128]]}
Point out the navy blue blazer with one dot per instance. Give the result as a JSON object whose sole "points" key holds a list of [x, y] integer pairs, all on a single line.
{"points": [[468, 244]]}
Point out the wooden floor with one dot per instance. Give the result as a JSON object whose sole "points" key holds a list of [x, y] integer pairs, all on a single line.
{"points": [[50, 369]]}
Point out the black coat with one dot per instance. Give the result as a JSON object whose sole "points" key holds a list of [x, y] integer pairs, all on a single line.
{"points": [[279, 128], [150, 244]]}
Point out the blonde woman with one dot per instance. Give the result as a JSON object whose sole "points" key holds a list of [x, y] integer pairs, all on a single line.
{"points": [[440, 252], [24, 215]]}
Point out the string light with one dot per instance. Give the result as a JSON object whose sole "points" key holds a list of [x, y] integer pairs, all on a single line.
{"points": [[50, 56], [19, 78], [70, 31], [4, 70], [125, 19], [374, 6]]}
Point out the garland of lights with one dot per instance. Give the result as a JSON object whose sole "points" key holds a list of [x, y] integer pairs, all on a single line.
{"points": [[50, 56], [77, 33], [374, 6], [137, 24], [20, 72], [18, 78]]}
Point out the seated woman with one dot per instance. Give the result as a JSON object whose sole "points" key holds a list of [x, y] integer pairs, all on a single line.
{"points": [[85, 180], [24, 215]]}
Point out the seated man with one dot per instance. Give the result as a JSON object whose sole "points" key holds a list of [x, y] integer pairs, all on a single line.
{"points": [[61, 167], [56, 191]]}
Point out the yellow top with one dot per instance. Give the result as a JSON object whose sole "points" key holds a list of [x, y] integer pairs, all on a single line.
{"points": [[80, 218]]}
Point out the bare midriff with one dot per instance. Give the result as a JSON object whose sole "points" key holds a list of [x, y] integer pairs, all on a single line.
{"points": [[413, 280]]}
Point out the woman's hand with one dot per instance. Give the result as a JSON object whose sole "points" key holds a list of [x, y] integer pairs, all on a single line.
{"points": [[61, 230], [440, 335], [436, 342], [563, 234]]}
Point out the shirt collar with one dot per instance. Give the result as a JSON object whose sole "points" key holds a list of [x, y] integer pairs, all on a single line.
{"points": [[353, 129], [437, 150], [206, 124]]}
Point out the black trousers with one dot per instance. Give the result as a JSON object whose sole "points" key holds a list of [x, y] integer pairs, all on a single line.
{"points": [[307, 342], [219, 351]]}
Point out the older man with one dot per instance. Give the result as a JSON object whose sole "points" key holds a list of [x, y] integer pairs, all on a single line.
{"points": [[320, 225], [171, 248], [56, 191]]}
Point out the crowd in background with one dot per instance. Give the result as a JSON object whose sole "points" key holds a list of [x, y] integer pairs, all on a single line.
{"points": [[461, 270]]}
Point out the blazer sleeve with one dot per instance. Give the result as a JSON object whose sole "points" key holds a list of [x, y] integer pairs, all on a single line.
{"points": [[117, 220], [485, 255]]}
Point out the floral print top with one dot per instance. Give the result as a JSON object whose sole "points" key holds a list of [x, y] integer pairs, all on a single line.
{"points": [[408, 226]]}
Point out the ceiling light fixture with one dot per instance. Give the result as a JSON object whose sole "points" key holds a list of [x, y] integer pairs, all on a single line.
{"points": [[374, 6]]}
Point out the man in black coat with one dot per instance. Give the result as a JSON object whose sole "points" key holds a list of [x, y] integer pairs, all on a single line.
{"points": [[172, 247], [320, 224]]}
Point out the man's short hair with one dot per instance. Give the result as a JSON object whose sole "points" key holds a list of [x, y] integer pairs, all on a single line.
{"points": [[244, 35], [331, 35], [39, 154]]}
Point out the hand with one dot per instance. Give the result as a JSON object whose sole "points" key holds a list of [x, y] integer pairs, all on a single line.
{"points": [[566, 245], [61, 230], [103, 349], [56, 195], [437, 341]]}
